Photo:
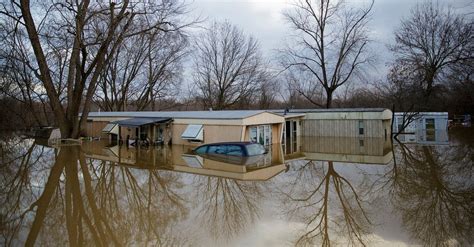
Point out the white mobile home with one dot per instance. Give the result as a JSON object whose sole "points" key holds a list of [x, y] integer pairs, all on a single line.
{"points": [[420, 121]]}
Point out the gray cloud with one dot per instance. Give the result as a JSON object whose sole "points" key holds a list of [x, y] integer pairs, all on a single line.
{"points": [[264, 20]]}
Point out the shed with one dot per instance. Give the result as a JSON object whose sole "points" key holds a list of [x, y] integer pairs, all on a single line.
{"points": [[345, 122]]}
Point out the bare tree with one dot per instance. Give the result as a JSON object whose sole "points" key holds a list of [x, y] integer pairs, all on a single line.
{"points": [[432, 40], [146, 69], [330, 45], [228, 67], [20, 90], [268, 96], [72, 43]]}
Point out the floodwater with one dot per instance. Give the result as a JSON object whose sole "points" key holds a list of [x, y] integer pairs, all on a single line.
{"points": [[319, 191]]}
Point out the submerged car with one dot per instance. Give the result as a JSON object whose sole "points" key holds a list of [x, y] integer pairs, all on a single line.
{"points": [[242, 149]]}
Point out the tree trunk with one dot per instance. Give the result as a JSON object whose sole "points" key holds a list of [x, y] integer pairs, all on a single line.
{"points": [[329, 98]]}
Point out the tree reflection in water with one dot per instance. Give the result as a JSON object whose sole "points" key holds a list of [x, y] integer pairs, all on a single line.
{"points": [[435, 193], [227, 206], [313, 192], [101, 203], [17, 191]]}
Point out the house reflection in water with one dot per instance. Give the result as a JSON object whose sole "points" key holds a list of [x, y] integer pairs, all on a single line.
{"points": [[367, 150], [181, 159]]}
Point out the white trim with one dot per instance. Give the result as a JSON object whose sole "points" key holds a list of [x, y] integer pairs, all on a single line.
{"points": [[193, 132]]}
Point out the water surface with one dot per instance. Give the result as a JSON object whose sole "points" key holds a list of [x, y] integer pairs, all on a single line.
{"points": [[322, 192]]}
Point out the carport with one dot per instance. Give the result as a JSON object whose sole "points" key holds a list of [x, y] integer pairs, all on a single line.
{"points": [[144, 130]]}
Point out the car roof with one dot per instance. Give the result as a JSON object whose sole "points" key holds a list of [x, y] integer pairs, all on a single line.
{"points": [[229, 143]]}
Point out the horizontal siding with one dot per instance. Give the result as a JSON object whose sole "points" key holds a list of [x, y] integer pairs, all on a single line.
{"points": [[212, 133], [341, 128]]}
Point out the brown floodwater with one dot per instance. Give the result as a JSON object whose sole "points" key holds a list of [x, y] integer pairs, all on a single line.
{"points": [[316, 191]]}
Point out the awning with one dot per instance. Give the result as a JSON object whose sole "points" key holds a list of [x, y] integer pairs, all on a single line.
{"points": [[137, 122], [193, 132], [111, 128]]}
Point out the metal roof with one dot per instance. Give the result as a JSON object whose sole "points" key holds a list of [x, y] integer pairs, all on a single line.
{"points": [[225, 114], [228, 114], [136, 122], [281, 111]]}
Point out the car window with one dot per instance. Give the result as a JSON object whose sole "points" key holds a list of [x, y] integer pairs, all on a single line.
{"points": [[235, 150], [201, 150], [217, 149], [212, 149], [255, 149]]}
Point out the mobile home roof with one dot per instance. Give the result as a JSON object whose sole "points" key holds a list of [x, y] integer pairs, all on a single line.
{"points": [[229, 114]]}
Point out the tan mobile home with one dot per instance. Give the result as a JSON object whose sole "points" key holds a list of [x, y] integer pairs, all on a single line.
{"points": [[188, 127]]}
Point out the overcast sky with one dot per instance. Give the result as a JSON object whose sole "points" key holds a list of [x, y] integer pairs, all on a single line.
{"points": [[264, 20]]}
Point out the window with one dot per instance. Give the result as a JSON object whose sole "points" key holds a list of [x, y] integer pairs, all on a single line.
{"points": [[361, 143], [268, 135], [361, 127], [253, 134], [261, 134], [193, 132], [430, 123], [294, 129], [111, 129]]}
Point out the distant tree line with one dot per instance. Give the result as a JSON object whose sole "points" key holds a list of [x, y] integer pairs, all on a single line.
{"points": [[59, 60]]}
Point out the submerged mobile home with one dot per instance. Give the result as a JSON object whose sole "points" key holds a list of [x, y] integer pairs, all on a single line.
{"points": [[428, 128], [345, 122], [265, 127], [420, 121], [188, 127]]}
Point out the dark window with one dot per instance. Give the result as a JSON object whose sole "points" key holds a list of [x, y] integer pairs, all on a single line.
{"points": [[288, 129], [430, 124], [361, 127], [361, 143]]}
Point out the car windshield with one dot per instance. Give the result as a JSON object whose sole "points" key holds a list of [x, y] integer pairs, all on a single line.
{"points": [[255, 149]]}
